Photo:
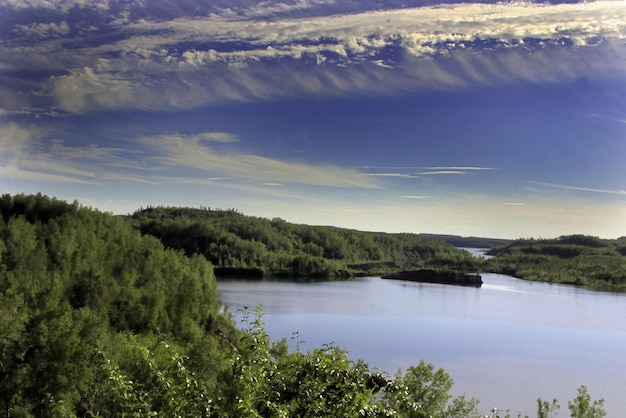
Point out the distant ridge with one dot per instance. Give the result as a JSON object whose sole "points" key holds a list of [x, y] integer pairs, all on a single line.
{"points": [[469, 242]]}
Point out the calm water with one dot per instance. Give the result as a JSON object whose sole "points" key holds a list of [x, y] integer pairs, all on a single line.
{"points": [[506, 343]]}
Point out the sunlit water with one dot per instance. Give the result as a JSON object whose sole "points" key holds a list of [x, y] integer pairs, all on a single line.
{"points": [[506, 343]]}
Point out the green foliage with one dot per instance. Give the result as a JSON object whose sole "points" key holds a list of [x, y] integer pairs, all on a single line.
{"points": [[469, 242], [97, 320], [320, 383], [232, 240], [546, 409], [71, 277], [582, 407], [167, 388], [573, 259], [430, 387]]}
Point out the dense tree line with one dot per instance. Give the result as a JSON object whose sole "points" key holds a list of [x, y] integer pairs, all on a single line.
{"points": [[74, 281], [571, 259], [230, 239], [97, 320], [469, 242]]}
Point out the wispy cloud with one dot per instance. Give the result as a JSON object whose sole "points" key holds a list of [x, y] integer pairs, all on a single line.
{"points": [[609, 117], [43, 30], [218, 178], [190, 153], [419, 31], [85, 89], [452, 170], [30, 152], [394, 175], [218, 137], [268, 9], [579, 188], [439, 172], [14, 172], [184, 60], [415, 197], [17, 140], [459, 168], [62, 6]]}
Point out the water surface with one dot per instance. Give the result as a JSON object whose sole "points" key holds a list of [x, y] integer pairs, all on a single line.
{"points": [[506, 343]]}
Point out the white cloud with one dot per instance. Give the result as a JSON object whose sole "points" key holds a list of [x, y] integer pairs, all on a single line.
{"points": [[414, 197], [31, 153], [461, 168], [167, 87], [86, 89], [178, 151], [609, 117], [420, 31], [429, 173], [44, 30], [241, 56], [218, 137], [270, 9], [17, 141], [14, 172], [579, 188], [25, 155], [394, 175], [62, 6]]}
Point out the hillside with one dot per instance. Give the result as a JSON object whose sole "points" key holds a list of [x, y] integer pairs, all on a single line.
{"points": [[237, 243], [82, 290], [570, 259], [99, 320]]}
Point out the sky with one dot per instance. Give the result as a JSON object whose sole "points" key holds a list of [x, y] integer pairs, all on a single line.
{"points": [[493, 119]]}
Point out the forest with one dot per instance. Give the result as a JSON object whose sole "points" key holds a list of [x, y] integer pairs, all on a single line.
{"points": [[571, 259], [238, 244], [98, 318], [270, 248]]}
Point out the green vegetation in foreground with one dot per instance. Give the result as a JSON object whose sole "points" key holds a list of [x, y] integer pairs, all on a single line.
{"points": [[97, 320], [231, 240], [571, 259]]}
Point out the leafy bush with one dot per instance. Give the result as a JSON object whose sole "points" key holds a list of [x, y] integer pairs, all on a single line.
{"points": [[98, 320]]}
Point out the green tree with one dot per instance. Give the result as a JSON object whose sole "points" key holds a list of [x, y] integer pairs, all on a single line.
{"points": [[430, 388], [583, 407], [546, 409]]}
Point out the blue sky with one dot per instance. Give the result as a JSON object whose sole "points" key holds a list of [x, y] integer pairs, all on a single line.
{"points": [[485, 119]]}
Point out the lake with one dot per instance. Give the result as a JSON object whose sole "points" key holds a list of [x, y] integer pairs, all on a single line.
{"points": [[506, 343]]}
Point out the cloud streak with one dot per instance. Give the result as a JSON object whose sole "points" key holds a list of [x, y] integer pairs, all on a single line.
{"points": [[440, 172], [33, 153], [418, 31], [229, 54], [418, 197], [579, 189], [394, 175], [188, 152]]}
